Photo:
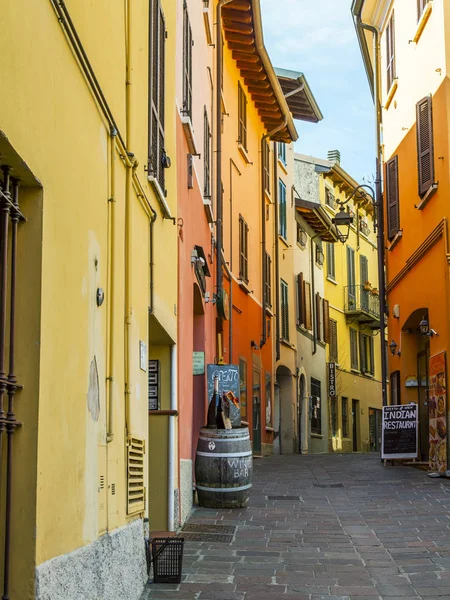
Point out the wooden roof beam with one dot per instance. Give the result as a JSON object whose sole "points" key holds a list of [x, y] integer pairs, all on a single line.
{"points": [[246, 56], [241, 5], [240, 38], [231, 26], [249, 49], [246, 67], [237, 15]]}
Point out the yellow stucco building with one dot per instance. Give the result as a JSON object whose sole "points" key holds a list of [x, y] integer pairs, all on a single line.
{"points": [[88, 246], [350, 275]]}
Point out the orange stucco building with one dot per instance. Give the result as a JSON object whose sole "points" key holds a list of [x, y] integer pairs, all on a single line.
{"points": [[413, 90]]}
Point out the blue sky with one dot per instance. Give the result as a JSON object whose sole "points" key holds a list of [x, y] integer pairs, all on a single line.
{"points": [[318, 38]]}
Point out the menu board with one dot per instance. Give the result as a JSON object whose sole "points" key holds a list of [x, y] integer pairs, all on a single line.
{"points": [[229, 384], [400, 431], [437, 407]]}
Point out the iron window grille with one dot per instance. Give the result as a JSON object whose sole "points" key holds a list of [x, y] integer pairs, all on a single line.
{"points": [[206, 156], [284, 311], [243, 250], [319, 256], [329, 198], [242, 117], [282, 152], [390, 52], [316, 407], [282, 208], [302, 236], [156, 151], [187, 64]]}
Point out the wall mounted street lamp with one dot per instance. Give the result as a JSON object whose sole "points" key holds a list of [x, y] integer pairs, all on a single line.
{"points": [[393, 349], [343, 218], [424, 328]]}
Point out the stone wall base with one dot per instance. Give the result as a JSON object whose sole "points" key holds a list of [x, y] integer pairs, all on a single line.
{"points": [[113, 566], [186, 487]]}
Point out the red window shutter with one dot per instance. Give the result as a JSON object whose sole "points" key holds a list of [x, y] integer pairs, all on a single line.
{"points": [[425, 146], [326, 321], [392, 197]]}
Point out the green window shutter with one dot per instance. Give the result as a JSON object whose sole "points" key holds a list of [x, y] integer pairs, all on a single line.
{"points": [[372, 357], [425, 145], [364, 269], [284, 311], [362, 353], [333, 341], [354, 349], [392, 197]]}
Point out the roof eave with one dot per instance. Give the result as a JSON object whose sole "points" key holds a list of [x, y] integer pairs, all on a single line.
{"points": [[259, 43], [357, 7]]}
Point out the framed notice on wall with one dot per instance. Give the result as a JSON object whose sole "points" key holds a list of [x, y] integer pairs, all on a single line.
{"points": [[437, 412], [153, 384], [400, 431]]}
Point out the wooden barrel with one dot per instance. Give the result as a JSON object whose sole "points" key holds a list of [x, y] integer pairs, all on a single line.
{"points": [[223, 467]]}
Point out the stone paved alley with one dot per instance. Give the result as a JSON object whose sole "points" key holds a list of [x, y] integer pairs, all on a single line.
{"points": [[324, 527]]}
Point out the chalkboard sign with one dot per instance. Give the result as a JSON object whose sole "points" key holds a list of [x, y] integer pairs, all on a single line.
{"points": [[228, 382], [399, 437]]}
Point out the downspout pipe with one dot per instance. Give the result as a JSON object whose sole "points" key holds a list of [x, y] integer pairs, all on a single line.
{"points": [[230, 329], [266, 136], [378, 200], [112, 267], [171, 440], [313, 293], [219, 195], [277, 270]]}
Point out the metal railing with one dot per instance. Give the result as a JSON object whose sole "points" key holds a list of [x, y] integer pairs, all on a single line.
{"points": [[360, 299]]}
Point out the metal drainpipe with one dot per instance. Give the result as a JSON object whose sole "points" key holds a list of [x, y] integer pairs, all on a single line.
{"points": [[219, 199], [230, 329], [379, 204], [263, 225], [277, 270], [171, 440], [313, 292]]}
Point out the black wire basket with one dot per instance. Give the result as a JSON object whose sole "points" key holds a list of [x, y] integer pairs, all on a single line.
{"points": [[167, 554]]}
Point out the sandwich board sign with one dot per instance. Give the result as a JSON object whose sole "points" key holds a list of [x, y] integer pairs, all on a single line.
{"points": [[400, 431]]}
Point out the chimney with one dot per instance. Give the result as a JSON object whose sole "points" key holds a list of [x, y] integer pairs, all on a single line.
{"points": [[334, 156]]}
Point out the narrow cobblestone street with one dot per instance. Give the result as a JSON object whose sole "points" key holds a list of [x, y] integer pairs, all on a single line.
{"points": [[324, 527]]}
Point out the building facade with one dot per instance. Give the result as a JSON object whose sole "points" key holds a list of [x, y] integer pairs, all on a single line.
{"points": [[346, 321], [88, 204], [412, 64]]}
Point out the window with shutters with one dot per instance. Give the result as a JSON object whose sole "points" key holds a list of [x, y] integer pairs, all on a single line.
{"points": [[308, 310], [187, 64], [282, 209], [268, 282], [351, 277], [266, 166], [420, 8], [206, 155], [242, 117], [354, 349], [390, 52], [243, 250], [156, 150], [331, 262], [316, 407], [282, 152], [318, 316], [366, 358], [344, 410], [395, 388], [284, 311], [300, 300], [333, 341], [329, 198], [364, 279], [425, 144], [326, 321], [392, 197]]}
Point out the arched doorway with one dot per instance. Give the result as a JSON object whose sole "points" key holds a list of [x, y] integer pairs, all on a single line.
{"points": [[287, 404]]}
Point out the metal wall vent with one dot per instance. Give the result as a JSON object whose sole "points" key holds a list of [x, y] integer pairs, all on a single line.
{"points": [[135, 475], [102, 482], [328, 485], [113, 489]]}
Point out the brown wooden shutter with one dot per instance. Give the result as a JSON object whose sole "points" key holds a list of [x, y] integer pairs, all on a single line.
{"points": [[392, 197], [425, 146], [318, 316], [308, 315], [300, 300], [326, 321]]}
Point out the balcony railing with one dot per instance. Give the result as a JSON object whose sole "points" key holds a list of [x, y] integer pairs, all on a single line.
{"points": [[362, 305]]}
